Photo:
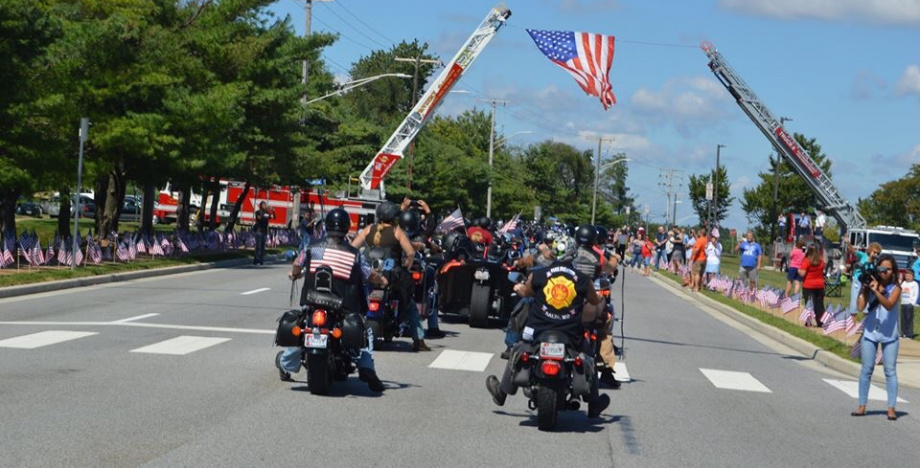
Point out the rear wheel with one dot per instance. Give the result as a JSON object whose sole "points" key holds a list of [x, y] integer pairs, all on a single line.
{"points": [[480, 300], [546, 408], [318, 376]]}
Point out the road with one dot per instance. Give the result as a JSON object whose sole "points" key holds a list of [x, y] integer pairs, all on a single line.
{"points": [[178, 371]]}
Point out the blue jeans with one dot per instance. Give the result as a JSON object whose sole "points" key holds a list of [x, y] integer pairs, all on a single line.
{"points": [[889, 363], [658, 256], [291, 357], [260, 247]]}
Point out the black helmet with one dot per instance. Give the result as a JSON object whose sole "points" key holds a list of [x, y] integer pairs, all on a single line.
{"points": [[601, 234], [485, 222], [387, 212], [410, 221], [586, 235], [338, 222], [456, 244]]}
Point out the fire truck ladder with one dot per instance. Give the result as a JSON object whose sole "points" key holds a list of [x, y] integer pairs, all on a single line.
{"points": [[819, 182], [372, 177]]}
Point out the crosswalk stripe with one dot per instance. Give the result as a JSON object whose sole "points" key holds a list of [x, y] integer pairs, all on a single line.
{"points": [[730, 380], [181, 346], [851, 388], [620, 372], [254, 291], [462, 360], [45, 338]]}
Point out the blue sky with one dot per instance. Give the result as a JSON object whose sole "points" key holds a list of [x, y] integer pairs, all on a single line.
{"points": [[846, 71]]}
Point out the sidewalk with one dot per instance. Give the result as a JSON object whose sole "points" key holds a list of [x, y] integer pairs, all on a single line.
{"points": [[908, 355]]}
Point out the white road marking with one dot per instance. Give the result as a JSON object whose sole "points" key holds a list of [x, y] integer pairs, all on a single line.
{"points": [[851, 388], [254, 291], [620, 372], [146, 325], [45, 338], [462, 360], [181, 346], [734, 380], [139, 317]]}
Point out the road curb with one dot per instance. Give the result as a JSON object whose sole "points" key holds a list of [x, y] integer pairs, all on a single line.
{"points": [[819, 355], [36, 288]]}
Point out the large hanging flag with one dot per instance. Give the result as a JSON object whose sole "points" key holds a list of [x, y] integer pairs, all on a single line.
{"points": [[586, 56]]}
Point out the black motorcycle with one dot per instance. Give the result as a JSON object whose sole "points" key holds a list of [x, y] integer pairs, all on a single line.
{"points": [[474, 285], [331, 336]]}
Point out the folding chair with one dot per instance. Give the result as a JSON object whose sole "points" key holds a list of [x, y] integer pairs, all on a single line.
{"points": [[832, 285]]}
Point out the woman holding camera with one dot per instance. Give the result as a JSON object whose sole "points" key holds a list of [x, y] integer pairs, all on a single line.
{"points": [[812, 273], [880, 300]]}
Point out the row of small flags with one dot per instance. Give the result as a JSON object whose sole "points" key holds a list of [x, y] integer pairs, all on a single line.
{"points": [[127, 246]]}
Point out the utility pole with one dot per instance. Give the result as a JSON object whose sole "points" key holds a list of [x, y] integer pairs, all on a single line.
{"points": [[493, 102], [417, 61], [715, 189], [84, 132], [668, 186], [597, 173]]}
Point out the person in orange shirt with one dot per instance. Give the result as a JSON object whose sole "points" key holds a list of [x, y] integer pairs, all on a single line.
{"points": [[698, 261]]}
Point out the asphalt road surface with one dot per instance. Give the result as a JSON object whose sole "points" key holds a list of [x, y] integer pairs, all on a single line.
{"points": [[178, 371]]}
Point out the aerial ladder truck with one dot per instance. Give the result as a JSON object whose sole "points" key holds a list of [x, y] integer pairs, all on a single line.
{"points": [[371, 179], [896, 241]]}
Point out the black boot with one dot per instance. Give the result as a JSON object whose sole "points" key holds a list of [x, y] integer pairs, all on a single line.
{"points": [[506, 354], [495, 389], [370, 377], [598, 405], [608, 378], [419, 345], [432, 333]]}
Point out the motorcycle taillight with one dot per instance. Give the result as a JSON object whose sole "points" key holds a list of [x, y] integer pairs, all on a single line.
{"points": [[374, 306], [550, 368], [319, 318]]}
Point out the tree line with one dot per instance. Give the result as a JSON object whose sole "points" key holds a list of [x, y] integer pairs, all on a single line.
{"points": [[193, 91]]}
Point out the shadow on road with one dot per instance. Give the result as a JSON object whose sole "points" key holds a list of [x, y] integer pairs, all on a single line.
{"points": [[567, 421], [721, 348], [352, 388]]}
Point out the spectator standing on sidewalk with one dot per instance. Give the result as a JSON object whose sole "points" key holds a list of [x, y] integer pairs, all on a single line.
{"points": [[812, 272], [647, 250], [796, 256], [804, 225], [820, 221], [689, 240], [880, 300], [751, 259], [713, 255], [910, 292], [261, 230], [781, 221], [661, 241], [698, 261], [677, 255]]}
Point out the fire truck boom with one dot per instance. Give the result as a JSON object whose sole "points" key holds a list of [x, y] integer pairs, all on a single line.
{"points": [[819, 182], [372, 176]]}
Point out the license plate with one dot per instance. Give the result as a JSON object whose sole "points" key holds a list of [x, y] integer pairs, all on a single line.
{"points": [[315, 341], [552, 350]]}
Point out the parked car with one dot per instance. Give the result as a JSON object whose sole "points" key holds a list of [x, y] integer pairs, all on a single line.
{"points": [[87, 206], [131, 209], [29, 208]]}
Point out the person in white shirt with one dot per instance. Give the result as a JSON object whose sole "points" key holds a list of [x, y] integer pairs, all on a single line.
{"points": [[820, 221], [804, 225], [713, 255], [910, 290]]}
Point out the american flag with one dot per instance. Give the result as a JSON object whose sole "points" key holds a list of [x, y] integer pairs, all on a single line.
{"points": [[808, 314], [789, 303], [853, 327], [141, 245], [6, 258], [49, 255], [122, 252], [166, 245], [586, 56], [37, 256], [340, 261], [92, 250], [182, 247], [451, 222], [156, 249], [837, 322], [510, 225]]}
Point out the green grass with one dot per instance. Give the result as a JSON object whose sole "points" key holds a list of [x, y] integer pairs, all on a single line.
{"points": [[46, 227], [777, 279], [25, 275]]}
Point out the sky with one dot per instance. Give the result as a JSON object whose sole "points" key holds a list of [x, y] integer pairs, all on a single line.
{"points": [[846, 72]]}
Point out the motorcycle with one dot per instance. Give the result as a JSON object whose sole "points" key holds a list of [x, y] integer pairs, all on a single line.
{"points": [[329, 335], [383, 303], [472, 285]]}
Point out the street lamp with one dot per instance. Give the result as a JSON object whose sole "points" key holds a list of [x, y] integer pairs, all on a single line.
{"points": [[597, 176], [356, 83], [782, 123]]}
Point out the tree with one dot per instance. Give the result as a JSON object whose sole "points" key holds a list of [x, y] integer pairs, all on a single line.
{"points": [[613, 186], [704, 208], [794, 195], [895, 203]]}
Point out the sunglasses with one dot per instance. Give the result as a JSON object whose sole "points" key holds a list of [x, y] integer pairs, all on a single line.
{"points": [[882, 269]]}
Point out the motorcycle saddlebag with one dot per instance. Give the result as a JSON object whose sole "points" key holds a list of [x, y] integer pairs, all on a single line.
{"points": [[284, 336], [582, 379], [354, 331]]}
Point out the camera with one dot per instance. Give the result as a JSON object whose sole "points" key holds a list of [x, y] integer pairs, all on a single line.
{"points": [[865, 273]]}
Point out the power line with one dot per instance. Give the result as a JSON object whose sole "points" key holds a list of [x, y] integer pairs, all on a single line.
{"points": [[359, 31], [345, 35], [341, 5]]}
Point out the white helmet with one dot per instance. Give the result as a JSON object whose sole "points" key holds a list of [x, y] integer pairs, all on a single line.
{"points": [[564, 248]]}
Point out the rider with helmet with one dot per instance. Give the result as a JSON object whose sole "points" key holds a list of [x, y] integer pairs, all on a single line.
{"points": [[387, 235], [413, 221], [350, 286], [562, 311], [592, 260], [481, 231]]}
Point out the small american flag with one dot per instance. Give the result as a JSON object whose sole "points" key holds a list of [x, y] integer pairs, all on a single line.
{"points": [[156, 249], [511, 225], [340, 261], [451, 222], [789, 303], [586, 56], [853, 327], [837, 322], [808, 314]]}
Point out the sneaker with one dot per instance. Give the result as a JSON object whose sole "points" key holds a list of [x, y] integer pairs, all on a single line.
{"points": [[283, 374], [434, 333], [370, 377], [494, 388], [419, 345], [506, 354], [599, 405], [608, 378]]}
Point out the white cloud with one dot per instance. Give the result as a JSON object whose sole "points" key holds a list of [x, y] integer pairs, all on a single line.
{"points": [[687, 103], [909, 82], [885, 12]]}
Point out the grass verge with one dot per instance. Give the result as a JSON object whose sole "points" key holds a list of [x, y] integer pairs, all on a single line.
{"points": [[823, 342], [9, 277]]}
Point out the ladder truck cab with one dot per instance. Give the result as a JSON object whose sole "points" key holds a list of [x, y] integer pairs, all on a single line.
{"points": [[895, 241]]}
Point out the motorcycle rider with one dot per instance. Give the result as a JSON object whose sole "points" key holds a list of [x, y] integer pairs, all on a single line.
{"points": [[480, 231], [386, 234], [350, 286], [591, 260], [420, 234], [561, 307], [541, 256]]}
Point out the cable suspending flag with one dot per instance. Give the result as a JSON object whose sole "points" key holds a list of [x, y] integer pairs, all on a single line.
{"points": [[586, 56]]}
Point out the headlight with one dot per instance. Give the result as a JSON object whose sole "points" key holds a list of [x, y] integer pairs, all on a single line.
{"points": [[481, 275]]}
